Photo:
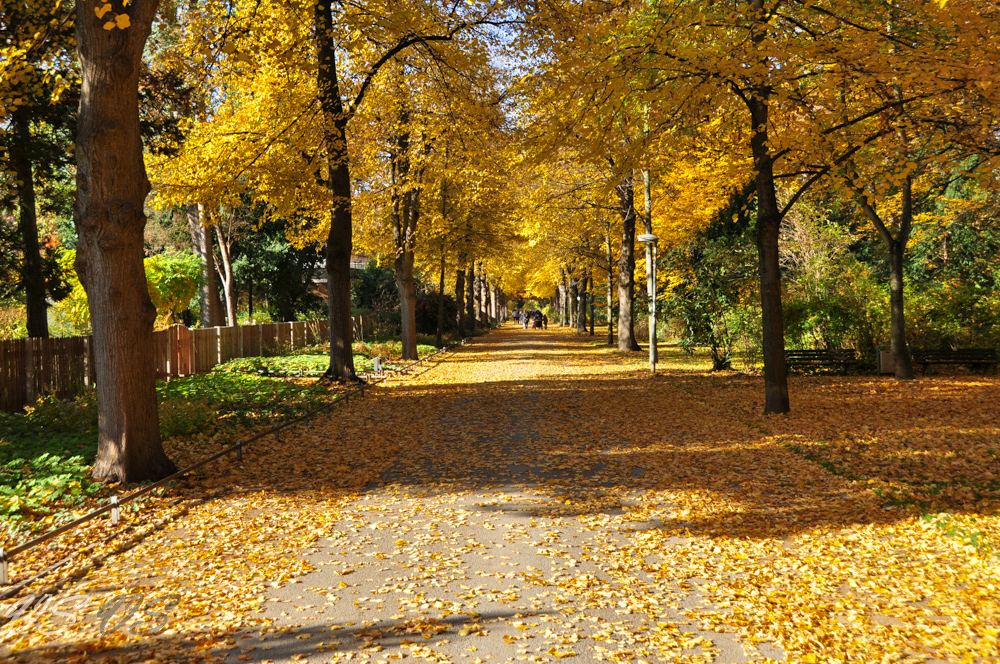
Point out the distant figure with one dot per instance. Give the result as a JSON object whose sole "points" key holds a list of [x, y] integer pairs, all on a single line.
{"points": [[545, 321]]}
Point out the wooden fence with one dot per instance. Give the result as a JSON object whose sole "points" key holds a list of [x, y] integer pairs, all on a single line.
{"points": [[61, 367]]}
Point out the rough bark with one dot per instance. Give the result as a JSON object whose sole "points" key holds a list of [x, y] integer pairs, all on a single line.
{"points": [[574, 304], [339, 243], [591, 303], [563, 298], [769, 215], [460, 299], [768, 226], [611, 288], [470, 298], [111, 190], [481, 295], [626, 267], [581, 307], [225, 270], [32, 276], [404, 215], [440, 321], [202, 244]]}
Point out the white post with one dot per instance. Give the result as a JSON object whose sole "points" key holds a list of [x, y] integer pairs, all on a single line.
{"points": [[652, 314]]}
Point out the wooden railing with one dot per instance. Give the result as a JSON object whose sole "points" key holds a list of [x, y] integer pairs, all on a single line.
{"points": [[61, 367]]}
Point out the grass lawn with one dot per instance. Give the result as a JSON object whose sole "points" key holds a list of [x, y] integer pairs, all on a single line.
{"points": [[47, 452]]}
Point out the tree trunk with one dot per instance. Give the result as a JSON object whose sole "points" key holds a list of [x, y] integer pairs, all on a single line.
{"points": [[440, 325], [226, 274], [768, 225], [404, 226], [201, 243], [611, 287], [339, 243], [897, 256], [897, 323], [564, 310], [647, 218], [470, 298], [111, 189], [574, 303], [581, 307], [31, 270], [481, 295], [460, 299], [592, 303], [250, 300], [626, 267]]}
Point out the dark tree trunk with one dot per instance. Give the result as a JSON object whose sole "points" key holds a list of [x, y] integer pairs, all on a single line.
{"points": [[897, 323], [626, 267], [440, 325], [610, 293], [591, 303], [768, 226], [897, 256], [581, 307], [574, 304], [31, 269], [470, 298], [202, 243], [250, 300], [339, 243], [460, 299], [111, 191], [404, 214]]}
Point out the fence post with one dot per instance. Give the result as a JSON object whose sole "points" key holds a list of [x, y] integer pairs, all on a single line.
{"points": [[4, 572], [115, 511], [239, 450], [277, 433]]}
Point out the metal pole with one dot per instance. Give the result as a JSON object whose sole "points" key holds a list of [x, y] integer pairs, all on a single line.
{"points": [[652, 314]]}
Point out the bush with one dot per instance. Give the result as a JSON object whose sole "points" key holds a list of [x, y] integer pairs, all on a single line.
{"points": [[427, 313]]}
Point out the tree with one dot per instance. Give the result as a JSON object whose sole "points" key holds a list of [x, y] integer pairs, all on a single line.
{"points": [[34, 81], [109, 219]]}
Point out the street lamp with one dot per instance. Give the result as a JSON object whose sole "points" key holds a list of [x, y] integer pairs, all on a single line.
{"points": [[650, 241]]}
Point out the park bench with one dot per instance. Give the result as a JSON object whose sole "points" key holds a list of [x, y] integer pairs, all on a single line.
{"points": [[980, 358], [842, 357]]}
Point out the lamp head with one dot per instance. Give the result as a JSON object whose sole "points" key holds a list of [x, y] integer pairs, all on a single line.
{"points": [[647, 238]]}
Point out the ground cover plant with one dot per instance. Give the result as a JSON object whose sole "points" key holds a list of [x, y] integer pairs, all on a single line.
{"points": [[46, 453], [316, 359]]}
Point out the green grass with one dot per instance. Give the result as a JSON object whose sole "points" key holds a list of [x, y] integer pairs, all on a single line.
{"points": [[316, 359], [47, 452]]}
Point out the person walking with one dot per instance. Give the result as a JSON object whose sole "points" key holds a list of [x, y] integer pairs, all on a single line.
{"points": [[545, 321]]}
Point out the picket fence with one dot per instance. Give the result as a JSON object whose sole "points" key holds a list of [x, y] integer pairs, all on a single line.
{"points": [[61, 367]]}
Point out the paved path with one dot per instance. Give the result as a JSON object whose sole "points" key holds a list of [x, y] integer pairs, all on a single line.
{"points": [[502, 532]]}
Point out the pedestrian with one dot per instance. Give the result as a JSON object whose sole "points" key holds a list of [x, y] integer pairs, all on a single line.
{"points": [[545, 321]]}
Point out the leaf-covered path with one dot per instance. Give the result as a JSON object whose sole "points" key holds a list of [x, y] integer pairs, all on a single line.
{"points": [[534, 498]]}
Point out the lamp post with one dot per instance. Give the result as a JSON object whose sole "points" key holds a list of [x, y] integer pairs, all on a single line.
{"points": [[650, 241]]}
